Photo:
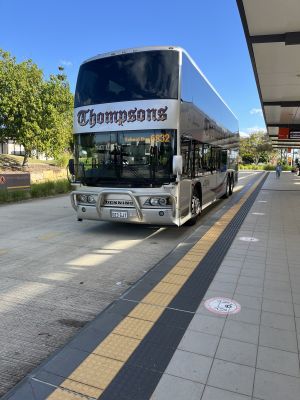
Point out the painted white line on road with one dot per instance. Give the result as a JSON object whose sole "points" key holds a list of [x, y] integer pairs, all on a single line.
{"points": [[253, 173]]}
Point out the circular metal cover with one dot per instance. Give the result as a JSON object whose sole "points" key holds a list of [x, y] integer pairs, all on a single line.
{"points": [[222, 305]]}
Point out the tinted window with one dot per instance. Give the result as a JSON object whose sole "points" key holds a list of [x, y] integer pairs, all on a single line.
{"points": [[197, 91], [143, 157], [135, 76]]}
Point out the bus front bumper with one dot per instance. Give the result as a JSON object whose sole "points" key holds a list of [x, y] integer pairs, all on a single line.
{"points": [[163, 216], [132, 214]]}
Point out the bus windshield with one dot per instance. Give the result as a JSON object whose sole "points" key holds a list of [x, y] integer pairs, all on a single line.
{"points": [[134, 76], [129, 158]]}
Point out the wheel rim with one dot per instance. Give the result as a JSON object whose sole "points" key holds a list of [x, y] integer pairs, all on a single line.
{"points": [[196, 205]]}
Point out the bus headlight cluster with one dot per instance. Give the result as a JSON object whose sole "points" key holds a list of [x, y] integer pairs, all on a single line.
{"points": [[91, 199], [83, 198], [157, 201]]}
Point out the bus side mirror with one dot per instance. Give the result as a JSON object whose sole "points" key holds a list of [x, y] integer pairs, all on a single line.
{"points": [[177, 165], [71, 166]]}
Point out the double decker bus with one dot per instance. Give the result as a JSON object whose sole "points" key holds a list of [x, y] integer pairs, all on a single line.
{"points": [[154, 141]]}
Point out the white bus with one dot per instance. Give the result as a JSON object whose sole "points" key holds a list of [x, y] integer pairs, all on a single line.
{"points": [[154, 141]]}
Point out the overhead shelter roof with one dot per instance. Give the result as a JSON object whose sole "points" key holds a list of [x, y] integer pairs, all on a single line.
{"points": [[272, 30]]}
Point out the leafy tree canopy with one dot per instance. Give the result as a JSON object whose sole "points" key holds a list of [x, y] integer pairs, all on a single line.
{"points": [[256, 148], [34, 112]]}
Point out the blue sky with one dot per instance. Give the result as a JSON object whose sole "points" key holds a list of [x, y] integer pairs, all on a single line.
{"points": [[66, 32]]}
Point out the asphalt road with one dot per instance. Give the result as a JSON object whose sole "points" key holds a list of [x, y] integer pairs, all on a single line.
{"points": [[57, 274]]}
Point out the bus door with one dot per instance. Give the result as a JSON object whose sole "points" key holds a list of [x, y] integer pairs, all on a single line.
{"points": [[209, 178], [223, 164]]}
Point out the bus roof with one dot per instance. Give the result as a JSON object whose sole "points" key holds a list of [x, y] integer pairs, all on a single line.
{"points": [[132, 50], [151, 48]]}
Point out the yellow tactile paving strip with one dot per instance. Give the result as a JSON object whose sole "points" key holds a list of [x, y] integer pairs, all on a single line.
{"points": [[97, 371], [61, 394], [133, 327], [148, 312], [103, 368], [117, 347]]}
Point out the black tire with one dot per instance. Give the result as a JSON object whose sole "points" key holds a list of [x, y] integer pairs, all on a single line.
{"points": [[196, 208], [231, 185], [227, 192]]}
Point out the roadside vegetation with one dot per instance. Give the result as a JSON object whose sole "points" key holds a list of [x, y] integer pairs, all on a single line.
{"points": [[35, 112], [263, 167], [257, 153], [13, 164], [9, 162], [257, 149], [37, 190]]}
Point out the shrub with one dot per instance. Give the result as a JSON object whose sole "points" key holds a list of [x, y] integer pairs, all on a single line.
{"points": [[287, 168], [269, 167], [264, 167], [37, 190], [63, 159], [251, 166]]}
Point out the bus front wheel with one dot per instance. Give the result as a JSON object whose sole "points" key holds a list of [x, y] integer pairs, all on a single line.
{"points": [[228, 190], [196, 207]]}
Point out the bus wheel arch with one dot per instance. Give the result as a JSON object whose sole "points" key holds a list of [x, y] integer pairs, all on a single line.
{"points": [[198, 189]]}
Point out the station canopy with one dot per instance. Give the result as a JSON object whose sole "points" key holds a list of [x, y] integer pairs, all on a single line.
{"points": [[272, 30]]}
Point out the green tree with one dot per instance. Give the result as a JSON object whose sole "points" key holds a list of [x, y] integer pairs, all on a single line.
{"points": [[34, 112], [20, 102], [57, 115], [256, 148]]}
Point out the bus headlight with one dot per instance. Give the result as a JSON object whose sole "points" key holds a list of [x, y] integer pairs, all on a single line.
{"points": [[82, 198], [91, 199], [158, 201]]}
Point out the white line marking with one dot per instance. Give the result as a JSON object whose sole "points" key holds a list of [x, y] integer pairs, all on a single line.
{"points": [[157, 305], [244, 177]]}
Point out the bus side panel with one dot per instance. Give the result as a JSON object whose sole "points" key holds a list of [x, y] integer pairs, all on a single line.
{"points": [[184, 197]]}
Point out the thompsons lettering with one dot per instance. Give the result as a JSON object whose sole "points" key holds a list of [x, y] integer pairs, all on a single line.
{"points": [[89, 117]]}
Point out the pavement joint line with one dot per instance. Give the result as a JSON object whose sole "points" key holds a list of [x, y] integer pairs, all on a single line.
{"points": [[88, 372], [164, 308], [63, 389], [45, 383]]}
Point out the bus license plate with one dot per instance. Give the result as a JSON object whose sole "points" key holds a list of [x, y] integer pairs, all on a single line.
{"points": [[119, 214]]}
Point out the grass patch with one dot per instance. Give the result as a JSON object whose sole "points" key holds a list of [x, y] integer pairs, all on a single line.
{"points": [[15, 162], [37, 190], [7, 159], [264, 167]]}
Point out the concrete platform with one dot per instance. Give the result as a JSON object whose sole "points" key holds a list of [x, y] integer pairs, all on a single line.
{"points": [[160, 341], [253, 354]]}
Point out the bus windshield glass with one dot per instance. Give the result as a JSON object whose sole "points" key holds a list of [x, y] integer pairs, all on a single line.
{"points": [[129, 158], [135, 76]]}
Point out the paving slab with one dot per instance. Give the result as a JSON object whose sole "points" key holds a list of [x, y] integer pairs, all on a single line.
{"points": [[279, 361], [175, 388], [230, 376], [273, 386]]}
